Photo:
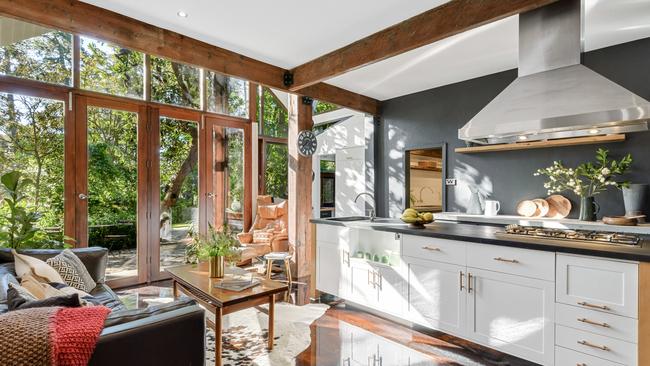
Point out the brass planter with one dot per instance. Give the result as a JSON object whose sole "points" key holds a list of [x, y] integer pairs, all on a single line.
{"points": [[217, 266]]}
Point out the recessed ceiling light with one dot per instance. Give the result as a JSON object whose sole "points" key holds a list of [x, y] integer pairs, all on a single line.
{"points": [[594, 131], [182, 14]]}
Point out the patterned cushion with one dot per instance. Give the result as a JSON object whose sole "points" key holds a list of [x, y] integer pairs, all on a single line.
{"points": [[72, 271], [22, 292]]}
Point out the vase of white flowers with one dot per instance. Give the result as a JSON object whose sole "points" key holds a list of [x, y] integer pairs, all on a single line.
{"points": [[587, 180]]}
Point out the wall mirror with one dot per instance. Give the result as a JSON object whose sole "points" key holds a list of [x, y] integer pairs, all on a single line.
{"points": [[425, 178]]}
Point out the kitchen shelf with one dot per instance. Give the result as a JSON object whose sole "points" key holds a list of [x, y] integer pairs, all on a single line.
{"points": [[589, 140]]}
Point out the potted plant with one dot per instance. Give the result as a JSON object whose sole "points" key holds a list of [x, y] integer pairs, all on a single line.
{"points": [[587, 180], [217, 246]]}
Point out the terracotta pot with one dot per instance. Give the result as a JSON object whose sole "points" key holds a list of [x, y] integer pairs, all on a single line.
{"points": [[217, 266]]}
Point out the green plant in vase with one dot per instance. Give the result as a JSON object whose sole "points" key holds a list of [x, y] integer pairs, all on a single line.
{"points": [[587, 180], [217, 246]]}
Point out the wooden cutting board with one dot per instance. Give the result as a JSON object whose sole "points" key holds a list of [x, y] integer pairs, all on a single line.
{"points": [[559, 206], [527, 208]]}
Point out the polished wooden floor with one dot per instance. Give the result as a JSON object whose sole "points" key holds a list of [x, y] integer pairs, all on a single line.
{"points": [[349, 336]]}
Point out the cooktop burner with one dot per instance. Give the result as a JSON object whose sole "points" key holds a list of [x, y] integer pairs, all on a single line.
{"points": [[577, 235]]}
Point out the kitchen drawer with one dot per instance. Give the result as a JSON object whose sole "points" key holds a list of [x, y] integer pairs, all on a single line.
{"points": [[567, 357], [521, 262], [598, 322], [598, 284], [440, 250], [596, 345], [332, 234]]}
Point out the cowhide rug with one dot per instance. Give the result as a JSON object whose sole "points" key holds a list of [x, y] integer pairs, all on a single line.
{"points": [[245, 335]]}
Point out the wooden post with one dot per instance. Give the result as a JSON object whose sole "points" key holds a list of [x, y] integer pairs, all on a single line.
{"points": [[300, 180]]}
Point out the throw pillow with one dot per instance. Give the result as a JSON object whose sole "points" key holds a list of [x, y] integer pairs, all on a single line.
{"points": [[42, 290], [5, 280], [72, 271], [39, 269], [16, 300], [21, 292]]}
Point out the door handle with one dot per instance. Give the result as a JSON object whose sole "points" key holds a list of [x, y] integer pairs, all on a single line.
{"points": [[585, 320], [588, 344], [83, 197], [469, 283], [506, 260], [433, 249], [461, 281], [602, 307]]}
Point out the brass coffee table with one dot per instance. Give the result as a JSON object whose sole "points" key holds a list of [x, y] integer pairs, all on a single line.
{"points": [[193, 281]]}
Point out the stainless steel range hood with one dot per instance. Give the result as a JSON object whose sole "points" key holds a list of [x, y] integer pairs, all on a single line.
{"points": [[555, 96]]}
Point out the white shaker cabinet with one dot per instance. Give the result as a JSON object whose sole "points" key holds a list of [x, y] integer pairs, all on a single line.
{"points": [[436, 296], [512, 313]]}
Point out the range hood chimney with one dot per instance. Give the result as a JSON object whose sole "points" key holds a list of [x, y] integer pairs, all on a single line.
{"points": [[555, 96]]}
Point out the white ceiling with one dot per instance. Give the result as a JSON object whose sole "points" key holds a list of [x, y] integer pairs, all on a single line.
{"points": [[488, 49], [296, 32], [284, 33]]}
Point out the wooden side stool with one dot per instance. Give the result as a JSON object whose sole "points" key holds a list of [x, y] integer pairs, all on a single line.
{"points": [[279, 256]]}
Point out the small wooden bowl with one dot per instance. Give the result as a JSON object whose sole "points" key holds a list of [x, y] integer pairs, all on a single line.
{"points": [[620, 220]]}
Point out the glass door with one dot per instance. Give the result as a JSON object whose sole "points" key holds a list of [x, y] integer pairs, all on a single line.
{"points": [[178, 185], [109, 185], [229, 184]]}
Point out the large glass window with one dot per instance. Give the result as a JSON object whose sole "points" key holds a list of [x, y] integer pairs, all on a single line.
{"points": [[227, 95], [234, 185], [175, 83], [273, 114], [32, 142], [34, 52], [179, 192], [324, 107], [276, 169], [111, 69], [113, 187]]}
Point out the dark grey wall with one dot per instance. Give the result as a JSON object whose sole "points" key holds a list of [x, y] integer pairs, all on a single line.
{"points": [[434, 116]]}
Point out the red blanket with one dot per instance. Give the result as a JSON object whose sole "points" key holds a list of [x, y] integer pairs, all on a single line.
{"points": [[50, 336]]}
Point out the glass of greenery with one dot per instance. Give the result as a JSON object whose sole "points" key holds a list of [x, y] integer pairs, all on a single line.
{"points": [[587, 180], [217, 246]]}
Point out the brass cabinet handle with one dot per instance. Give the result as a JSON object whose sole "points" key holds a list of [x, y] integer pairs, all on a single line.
{"points": [[585, 320], [461, 281], [469, 283], [369, 280], [381, 281], [433, 249], [346, 257], [584, 303], [506, 260], [581, 364], [588, 344]]}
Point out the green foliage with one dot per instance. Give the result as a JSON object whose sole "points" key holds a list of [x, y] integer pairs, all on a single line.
{"points": [[18, 221], [587, 179], [174, 83], [46, 57], [324, 107], [111, 69], [275, 118], [275, 175], [217, 243], [327, 166]]}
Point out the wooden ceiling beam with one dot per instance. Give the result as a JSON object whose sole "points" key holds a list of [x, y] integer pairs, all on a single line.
{"points": [[85, 19], [444, 21]]}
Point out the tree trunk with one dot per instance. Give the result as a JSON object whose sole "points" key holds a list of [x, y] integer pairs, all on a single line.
{"points": [[174, 188]]}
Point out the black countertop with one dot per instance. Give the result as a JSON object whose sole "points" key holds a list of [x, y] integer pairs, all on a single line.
{"points": [[484, 234]]}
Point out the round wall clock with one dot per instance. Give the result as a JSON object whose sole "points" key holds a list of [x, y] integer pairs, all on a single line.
{"points": [[307, 143]]}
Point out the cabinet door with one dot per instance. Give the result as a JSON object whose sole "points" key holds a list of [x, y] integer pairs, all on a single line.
{"points": [[329, 269], [512, 314], [390, 284], [436, 295], [363, 289]]}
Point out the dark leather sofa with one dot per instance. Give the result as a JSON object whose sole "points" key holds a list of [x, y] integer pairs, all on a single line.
{"points": [[169, 334]]}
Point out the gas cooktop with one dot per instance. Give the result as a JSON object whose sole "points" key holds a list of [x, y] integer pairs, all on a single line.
{"points": [[601, 237]]}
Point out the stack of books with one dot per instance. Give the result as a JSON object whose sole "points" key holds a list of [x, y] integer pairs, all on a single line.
{"points": [[234, 280]]}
